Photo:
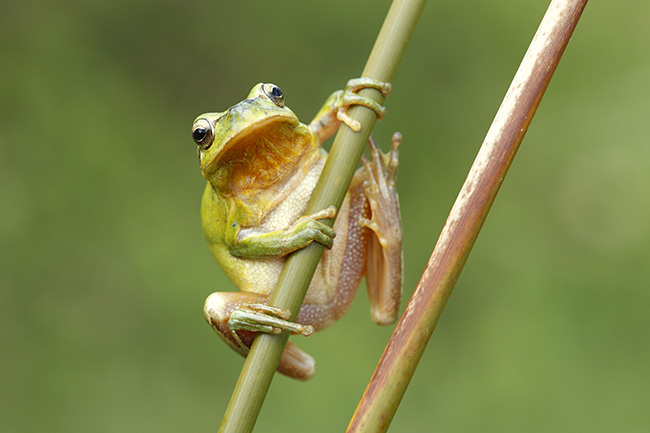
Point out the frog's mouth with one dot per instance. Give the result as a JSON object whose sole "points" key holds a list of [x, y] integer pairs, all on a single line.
{"points": [[263, 153], [271, 129]]}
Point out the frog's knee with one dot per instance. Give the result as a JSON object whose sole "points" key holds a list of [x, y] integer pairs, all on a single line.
{"points": [[216, 309]]}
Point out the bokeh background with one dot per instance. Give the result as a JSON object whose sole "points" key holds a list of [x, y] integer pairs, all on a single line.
{"points": [[104, 268]]}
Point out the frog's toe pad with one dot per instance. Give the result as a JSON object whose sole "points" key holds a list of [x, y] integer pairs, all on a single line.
{"points": [[353, 124]]}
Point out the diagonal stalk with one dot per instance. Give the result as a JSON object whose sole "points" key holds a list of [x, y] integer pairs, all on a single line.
{"points": [[402, 354], [264, 356]]}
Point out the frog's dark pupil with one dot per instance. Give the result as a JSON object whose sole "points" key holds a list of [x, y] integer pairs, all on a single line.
{"points": [[199, 134], [277, 92]]}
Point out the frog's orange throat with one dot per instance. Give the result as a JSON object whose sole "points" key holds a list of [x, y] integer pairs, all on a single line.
{"points": [[259, 169]]}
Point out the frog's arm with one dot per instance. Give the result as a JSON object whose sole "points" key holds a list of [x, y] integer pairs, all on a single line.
{"points": [[334, 111], [254, 244]]}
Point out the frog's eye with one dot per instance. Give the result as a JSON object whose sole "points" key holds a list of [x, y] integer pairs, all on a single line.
{"points": [[203, 133], [274, 93]]}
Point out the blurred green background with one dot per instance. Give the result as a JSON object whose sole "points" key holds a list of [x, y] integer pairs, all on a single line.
{"points": [[104, 268]]}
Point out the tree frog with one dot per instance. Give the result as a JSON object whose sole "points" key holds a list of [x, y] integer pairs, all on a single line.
{"points": [[262, 165]]}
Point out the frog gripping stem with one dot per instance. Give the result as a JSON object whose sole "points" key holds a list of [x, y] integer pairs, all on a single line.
{"points": [[350, 97], [267, 350], [335, 110]]}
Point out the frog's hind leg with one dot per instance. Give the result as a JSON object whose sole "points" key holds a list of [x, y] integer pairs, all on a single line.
{"points": [[384, 262], [369, 220], [238, 316]]}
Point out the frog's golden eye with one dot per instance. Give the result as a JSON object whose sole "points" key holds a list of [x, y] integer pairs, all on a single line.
{"points": [[274, 93], [203, 133]]}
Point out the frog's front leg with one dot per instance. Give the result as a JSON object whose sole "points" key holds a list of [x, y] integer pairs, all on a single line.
{"points": [[335, 109], [251, 244], [238, 316], [384, 261]]}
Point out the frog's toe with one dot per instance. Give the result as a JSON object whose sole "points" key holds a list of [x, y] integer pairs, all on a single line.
{"points": [[328, 212], [310, 229], [350, 97], [265, 318], [382, 168], [324, 235], [393, 155], [356, 84], [353, 124]]}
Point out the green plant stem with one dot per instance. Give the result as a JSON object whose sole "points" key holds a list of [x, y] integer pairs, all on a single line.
{"points": [[402, 354], [262, 361]]}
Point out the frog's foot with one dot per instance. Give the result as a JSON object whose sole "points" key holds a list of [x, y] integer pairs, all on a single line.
{"points": [[384, 267], [263, 318], [238, 316], [350, 97], [379, 188]]}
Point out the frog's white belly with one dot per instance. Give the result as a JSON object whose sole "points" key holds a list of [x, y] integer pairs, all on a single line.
{"points": [[261, 275]]}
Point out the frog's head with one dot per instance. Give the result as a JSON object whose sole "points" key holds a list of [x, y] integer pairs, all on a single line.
{"points": [[259, 123]]}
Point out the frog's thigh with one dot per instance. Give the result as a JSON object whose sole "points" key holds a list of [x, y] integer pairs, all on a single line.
{"points": [[219, 306]]}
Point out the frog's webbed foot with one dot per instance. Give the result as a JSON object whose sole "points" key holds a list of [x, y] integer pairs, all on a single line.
{"points": [[350, 97], [237, 316], [384, 267], [380, 190]]}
